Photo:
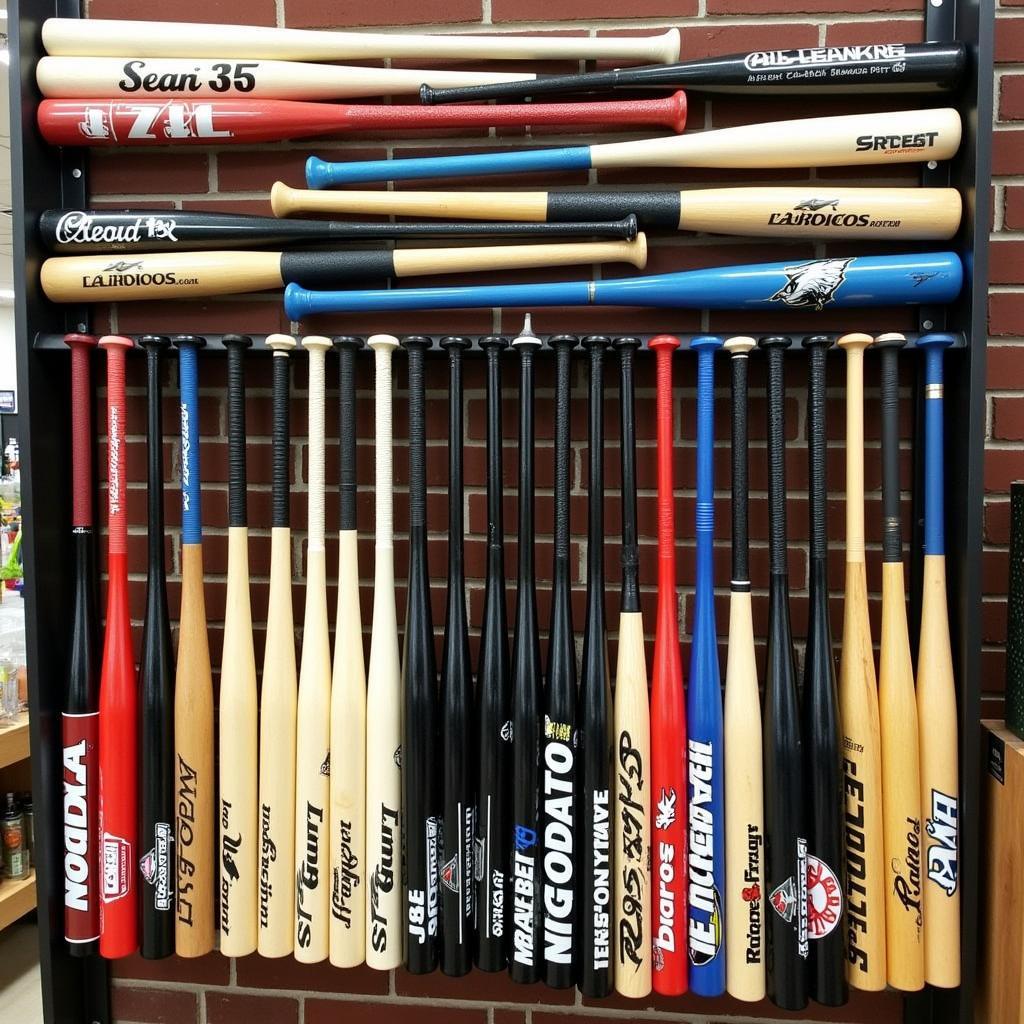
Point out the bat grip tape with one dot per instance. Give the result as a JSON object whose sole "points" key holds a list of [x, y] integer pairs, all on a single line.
{"points": [[417, 434], [116, 412], [627, 429], [191, 517], [347, 435], [280, 440], [236, 432], [563, 367], [740, 474], [81, 441], [776, 463], [816, 451]]}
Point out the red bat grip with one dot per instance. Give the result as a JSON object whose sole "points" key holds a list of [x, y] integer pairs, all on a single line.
{"points": [[81, 429], [664, 345], [116, 412]]}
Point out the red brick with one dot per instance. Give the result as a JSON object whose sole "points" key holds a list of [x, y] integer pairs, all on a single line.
{"points": [[993, 621], [311, 14], [1008, 419], [322, 1011], [212, 969], [536, 10], [153, 1005], [1007, 151], [286, 973], [826, 7], [1011, 98], [1013, 207], [855, 33], [1002, 467], [995, 572], [1009, 40], [717, 38], [227, 12], [1006, 262], [256, 170], [509, 1016], [234, 1008], [1006, 319], [128, 172], [997, 521]]}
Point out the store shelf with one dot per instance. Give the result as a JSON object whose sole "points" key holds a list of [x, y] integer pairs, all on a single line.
{"points": [[14, 746], [16, 899]]}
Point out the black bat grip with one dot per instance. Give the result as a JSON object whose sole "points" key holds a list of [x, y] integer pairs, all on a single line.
{"points": [[627, 443], [889, 346], [347, 348], [775, 347], [740, 474], [563, 344], [280, 442], [416, 346], [817, 442], [493, 345], [520, 89], [236, 344], [154, 344], [596, 346]]}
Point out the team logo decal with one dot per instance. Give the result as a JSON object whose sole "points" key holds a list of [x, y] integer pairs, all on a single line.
{"points": [[666, 810], [824, 898], [479, 856], [506, 731], [812, 285], [450, 875], [817, 204], [783, 899], [920, 278], [704, 951], [325, 765]]}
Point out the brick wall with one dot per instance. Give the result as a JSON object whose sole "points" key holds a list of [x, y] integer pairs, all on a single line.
{"points": [[214, 990]]}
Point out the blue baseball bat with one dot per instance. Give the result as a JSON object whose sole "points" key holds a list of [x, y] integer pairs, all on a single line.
{"points": [[914, 279]]}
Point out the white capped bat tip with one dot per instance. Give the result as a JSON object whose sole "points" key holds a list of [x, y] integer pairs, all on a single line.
{"points": [[855, 340], [382, 342], [316, 343], [740, 345], [282, 344], [672, 43]]}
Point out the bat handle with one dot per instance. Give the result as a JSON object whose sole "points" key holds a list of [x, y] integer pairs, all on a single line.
{"points": [[281, 345], [563, 344], [854, 345], [383, 345], [705, 346], [81, 428], [188, 346], [236, 344], [739, 357], [934, 345], [348, 346], [817, 346], [664, 345], [889, 346], [627, 348], [115, 347], [775, 346]]}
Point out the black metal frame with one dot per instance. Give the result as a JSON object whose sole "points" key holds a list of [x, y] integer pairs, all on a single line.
{"points": [[76, 990]]}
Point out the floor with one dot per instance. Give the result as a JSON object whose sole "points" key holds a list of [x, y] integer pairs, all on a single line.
{"points": [[19, 974]]}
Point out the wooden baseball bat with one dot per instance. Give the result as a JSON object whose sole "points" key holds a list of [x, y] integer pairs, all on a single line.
{"points": [[631, 745], [347, 821], [237, 746], [812, 211], [188, 275], [745, 898], [383, 702], [936, 703], [897, 710], [277, 883], [858, 707], [195, 824]]}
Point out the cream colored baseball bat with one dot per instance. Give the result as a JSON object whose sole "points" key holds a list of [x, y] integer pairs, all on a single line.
{"points": [[383, 704], [72, 36], [347, 819], [277, 696], [858, 703], [238, 833], [811, 211]]}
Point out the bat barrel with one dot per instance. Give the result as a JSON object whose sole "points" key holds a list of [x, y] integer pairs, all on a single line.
{"points": [[81, 428]]}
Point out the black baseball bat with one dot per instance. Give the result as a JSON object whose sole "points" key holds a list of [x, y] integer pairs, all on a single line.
{"points": [[594, 715], [785, 839], [458, 741], [819, 725], [421, 805], [558, 751], [878, 67], [493, 702]]}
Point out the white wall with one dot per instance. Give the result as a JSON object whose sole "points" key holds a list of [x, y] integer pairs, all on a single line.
{"points": [[8, 369]]}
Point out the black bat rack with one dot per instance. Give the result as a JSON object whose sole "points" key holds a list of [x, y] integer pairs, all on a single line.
{"points": [[75, 991]]}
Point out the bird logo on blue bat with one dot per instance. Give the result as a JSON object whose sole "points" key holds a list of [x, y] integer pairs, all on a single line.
{"points": [[812, 285]]}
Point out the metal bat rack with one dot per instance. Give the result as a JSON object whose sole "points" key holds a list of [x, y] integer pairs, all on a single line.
{"points": [[75, 991]]}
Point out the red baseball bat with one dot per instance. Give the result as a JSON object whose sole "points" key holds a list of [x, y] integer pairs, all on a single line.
{"points": [[118, 694], [113, 122]]}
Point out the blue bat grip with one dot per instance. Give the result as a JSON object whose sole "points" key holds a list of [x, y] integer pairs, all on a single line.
{"points": [[934, 443], [321, 174], [191, 517]]}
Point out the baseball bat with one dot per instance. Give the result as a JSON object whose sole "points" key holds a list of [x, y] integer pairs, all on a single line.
{"points": [[558, 807], [745, 903], [277, 883], [347, 821], [1015, 614], [383, 695], [814, 211], [897, 710], [936, 703], [83, 231], [901, 136], [631, 747], [785, 862], [112, 121], [313, 710], [156, 703], [819, 724], [195, 823], [814, 284], [178, 275], [873, 67], [237, 741], [119, 699], [80, 720], [706, 794], [493, 706], [525, 946], [594, 714], [668, 715], [858, 712], [70, 36], [421, 736]]}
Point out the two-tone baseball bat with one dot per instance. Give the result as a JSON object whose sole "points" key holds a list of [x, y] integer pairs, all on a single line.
{"points": [[156, 700], [897, 709], [594, 714], [936, 703], [179, 275], [631, 743], [785, 860], [559, 811], [383, 896], [858, 713], [871, 67], [421, 735], [706, 794], [810, 285], [238, 833], [71, 36], [347, 816], [194, 783], [493, 702], [745, 899], [525, 944], [80, 718], [313, 710], [819, 724], [668, 716], [277, 881], [786, 211], [83, 231], [119, 699], [856, 140]]}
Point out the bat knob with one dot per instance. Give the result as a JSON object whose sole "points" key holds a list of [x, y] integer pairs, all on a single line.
{"points": [[116, 341], [664, 342], [563, 341], [629, 343], [455, 342], [426, 94], [494, 342], [83, 341], [779, 341], [740, 345], [239, 341], [154, 342], [348, 341], [382, 342], [418, 342], [186, 340], [939, 340], [706, 342], [316, 343], [527, 339], [281, 199], [596, 341], [855, 341], [316, 173], [818, 341], [677, 108], [281, 344], [892, 340]]}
